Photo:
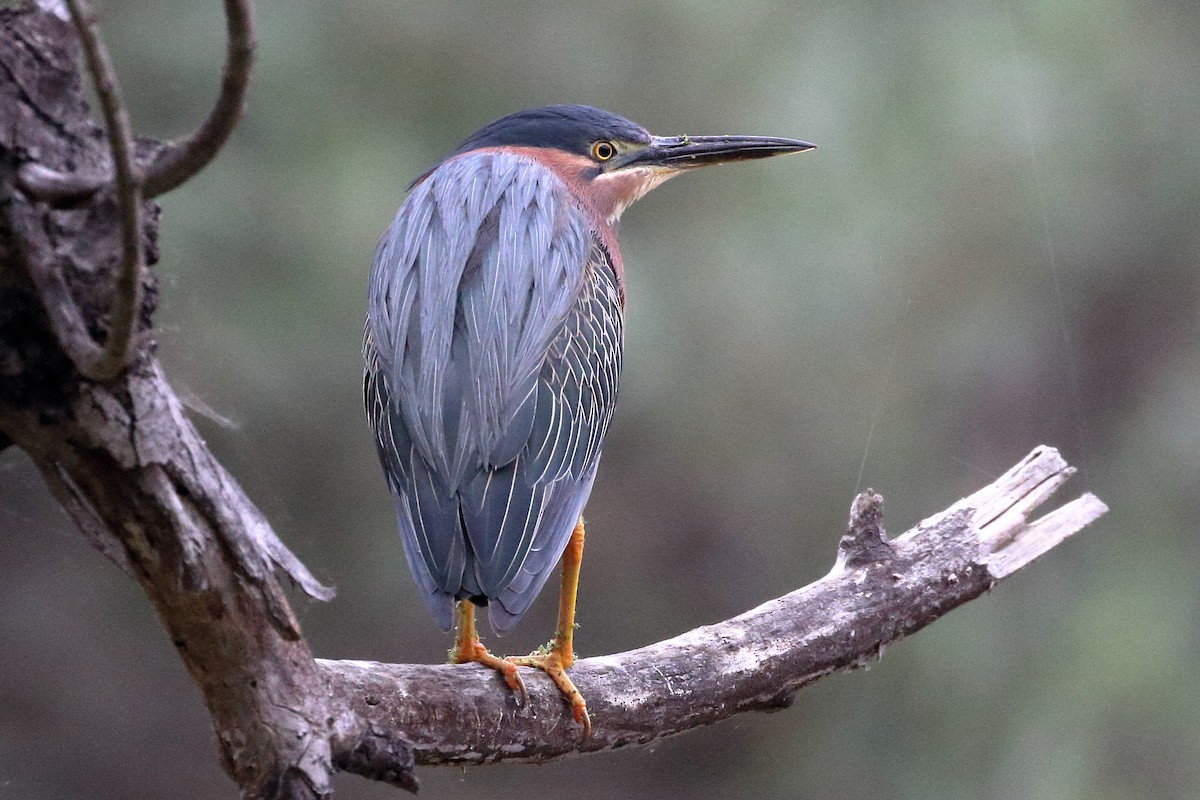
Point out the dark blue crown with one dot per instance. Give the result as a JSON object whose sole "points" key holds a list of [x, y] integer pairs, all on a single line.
{"points": [[571, 128]]}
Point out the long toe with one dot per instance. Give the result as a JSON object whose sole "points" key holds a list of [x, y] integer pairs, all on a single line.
{"points": [[551, 664], [512, 676]]}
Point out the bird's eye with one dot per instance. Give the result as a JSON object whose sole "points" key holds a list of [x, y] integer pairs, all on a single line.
{"points": [[603, 151]]}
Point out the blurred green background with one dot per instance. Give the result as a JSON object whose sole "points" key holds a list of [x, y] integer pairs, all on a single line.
{"points": [[996, 245]]}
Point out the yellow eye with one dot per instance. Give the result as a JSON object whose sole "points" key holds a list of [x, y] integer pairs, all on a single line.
{"points": [[603, 151]]}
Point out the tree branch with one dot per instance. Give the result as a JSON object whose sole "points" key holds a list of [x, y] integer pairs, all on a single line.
{"points": [[139, 481], [180, 160], [878, 592]]}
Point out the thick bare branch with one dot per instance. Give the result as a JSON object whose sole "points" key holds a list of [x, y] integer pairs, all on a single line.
{"points": [[878, 592], [140, 483]]}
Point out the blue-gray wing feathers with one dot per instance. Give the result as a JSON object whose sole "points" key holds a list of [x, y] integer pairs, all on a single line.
{"points": [[493, 353]]}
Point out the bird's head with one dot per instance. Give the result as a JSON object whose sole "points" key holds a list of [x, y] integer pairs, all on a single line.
{"points": [[609, 161]]}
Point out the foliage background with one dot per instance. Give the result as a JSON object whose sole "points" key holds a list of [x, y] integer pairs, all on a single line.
{"points": [[996, 245]]}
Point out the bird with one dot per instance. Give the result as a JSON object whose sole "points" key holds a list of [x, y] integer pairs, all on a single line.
{"points": [[492, 354]]}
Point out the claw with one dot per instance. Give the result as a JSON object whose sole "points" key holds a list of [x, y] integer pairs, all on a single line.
{"points": [[506, 668], [552, 664], [515, 682]]}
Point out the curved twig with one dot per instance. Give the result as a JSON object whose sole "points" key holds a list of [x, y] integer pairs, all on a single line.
{"points": [[180, 160], [127, 294]]}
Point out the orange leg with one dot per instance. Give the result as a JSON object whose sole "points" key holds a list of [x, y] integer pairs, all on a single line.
{"points": [[556, 658], [468, 648]]}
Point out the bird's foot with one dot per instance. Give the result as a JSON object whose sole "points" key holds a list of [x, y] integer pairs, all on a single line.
{"points": [[475, 652], [554, 660]]}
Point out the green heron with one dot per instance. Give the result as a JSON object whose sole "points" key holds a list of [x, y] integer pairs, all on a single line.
{"points": [[493, 351]]}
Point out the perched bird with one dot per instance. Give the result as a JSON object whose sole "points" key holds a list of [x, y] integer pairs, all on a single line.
{"points": [[493, 350]]}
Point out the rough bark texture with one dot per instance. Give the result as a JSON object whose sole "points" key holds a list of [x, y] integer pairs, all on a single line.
{"points": [[142, 487]]}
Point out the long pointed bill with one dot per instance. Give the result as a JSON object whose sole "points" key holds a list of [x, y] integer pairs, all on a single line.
{"points": [[685, 152]]}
